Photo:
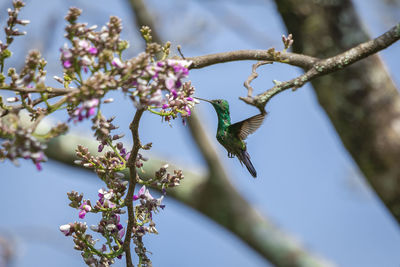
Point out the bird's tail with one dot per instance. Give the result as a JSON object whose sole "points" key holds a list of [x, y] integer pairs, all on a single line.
{"points": [[245, 158]]}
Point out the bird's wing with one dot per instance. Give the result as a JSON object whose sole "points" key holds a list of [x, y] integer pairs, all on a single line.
{"points": [[248, 126]]}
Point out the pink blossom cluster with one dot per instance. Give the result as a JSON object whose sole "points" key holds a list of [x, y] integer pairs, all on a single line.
{"points": [[85, 110], [84, 49]]}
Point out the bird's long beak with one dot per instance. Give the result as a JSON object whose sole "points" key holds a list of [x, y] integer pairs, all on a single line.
{"points": [[202, 99]]}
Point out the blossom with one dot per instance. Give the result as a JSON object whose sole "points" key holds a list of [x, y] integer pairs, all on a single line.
{"points": [[189, 112], [105, 194], [66, 229], [104, 198], [93, 50], [85, 208], [170, 82], [66, 52], [83, 44], [153, 70], [67, 64], [66, 56], [86, 61], [121, 230], [156, 98], [116, 62], [86, 110], [38, 160], [141, 192]]}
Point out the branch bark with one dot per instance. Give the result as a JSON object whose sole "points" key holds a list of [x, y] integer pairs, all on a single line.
{"points": [[362, 102], [134, 127], [314, 67], [302, 61]]}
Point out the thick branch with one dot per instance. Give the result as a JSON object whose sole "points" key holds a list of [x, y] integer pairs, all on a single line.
{"points": [[294, 59], [362, 102]]}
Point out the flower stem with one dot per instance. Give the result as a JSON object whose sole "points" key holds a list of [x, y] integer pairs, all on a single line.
{"points": [[134, 126]]}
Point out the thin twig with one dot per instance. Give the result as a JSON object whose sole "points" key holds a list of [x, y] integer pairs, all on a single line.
{"points": [[68, 92], [180, 51], [50, 90], [253, 76]]}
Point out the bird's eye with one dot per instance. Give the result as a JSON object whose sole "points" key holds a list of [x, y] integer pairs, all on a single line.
{"points": [[219, 101]]}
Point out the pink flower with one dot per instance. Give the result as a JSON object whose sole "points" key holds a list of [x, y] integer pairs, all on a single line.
{"points": [[93, 50], [67, 64], [116, 62], [83, 44], [86, 61], [141, 192], [38, 166], [38, 160], [66, 229], [87, 109], [66, 52], [85, 208], [189, 112], [170, 83], [156, 98], [121, 230], [174, 93]]}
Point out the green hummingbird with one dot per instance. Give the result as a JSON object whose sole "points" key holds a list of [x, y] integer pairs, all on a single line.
{"points": [[232, 136]]}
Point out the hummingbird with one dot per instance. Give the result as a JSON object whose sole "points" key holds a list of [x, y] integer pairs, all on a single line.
{"points": [[232, 136]]}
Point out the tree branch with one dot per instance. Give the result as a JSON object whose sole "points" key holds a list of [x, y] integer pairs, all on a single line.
{"points": [[134, 127], [253, 76], [294, 59], [315, 67], [50, 90], [362, 102]]}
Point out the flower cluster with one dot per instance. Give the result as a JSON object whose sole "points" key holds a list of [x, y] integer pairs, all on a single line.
{"points": [[163, 179], [109, 166], [148, 204], [109, 226], [20, 143], [157, 85], [11, 31], [32, 75], [85, 110], [85, 243], [111, 222], [84, 49], [166, 76], [90, 49]]}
